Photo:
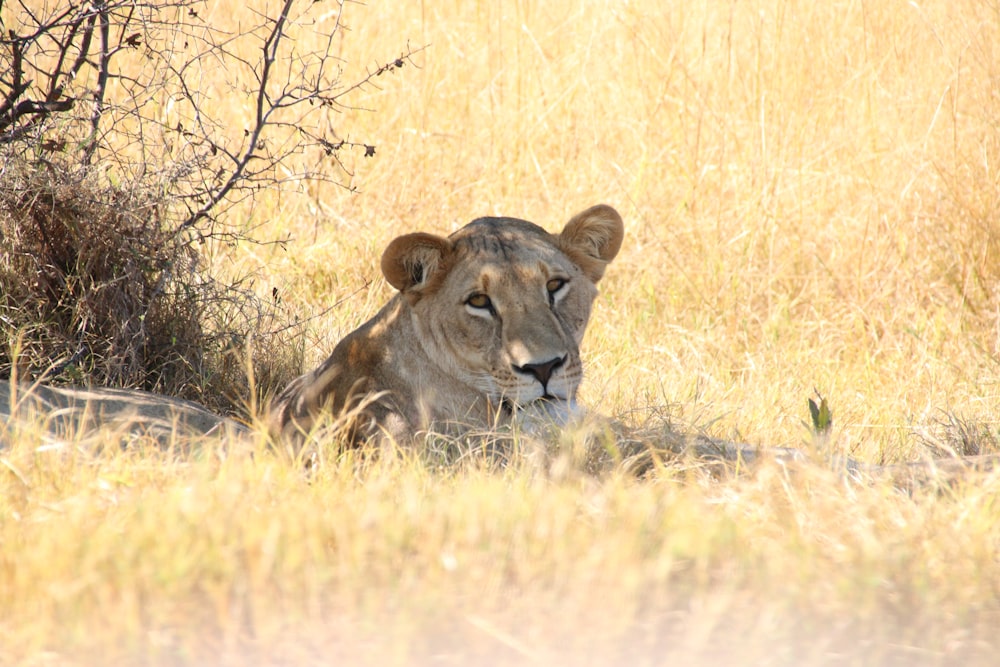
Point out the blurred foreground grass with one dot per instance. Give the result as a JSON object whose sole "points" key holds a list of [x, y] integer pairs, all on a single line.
{"points": [[136, 558]]}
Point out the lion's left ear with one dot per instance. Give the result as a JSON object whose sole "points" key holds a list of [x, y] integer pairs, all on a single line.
{"points": [[413, 261], [593, 238]]}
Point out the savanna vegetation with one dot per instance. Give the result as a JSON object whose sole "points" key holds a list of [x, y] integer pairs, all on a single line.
{"points": [[811, 196]]}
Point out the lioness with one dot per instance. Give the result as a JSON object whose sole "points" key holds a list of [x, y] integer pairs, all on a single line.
{"points": [[486, 322]]}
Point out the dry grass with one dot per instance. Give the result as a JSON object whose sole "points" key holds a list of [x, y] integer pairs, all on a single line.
{"points": [[811, 201]]}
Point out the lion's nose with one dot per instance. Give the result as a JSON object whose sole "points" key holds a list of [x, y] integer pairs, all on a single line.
{"points": [[541, 371]]}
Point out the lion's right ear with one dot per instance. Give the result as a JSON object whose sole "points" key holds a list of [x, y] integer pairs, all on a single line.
{"points": [[413, 261]]}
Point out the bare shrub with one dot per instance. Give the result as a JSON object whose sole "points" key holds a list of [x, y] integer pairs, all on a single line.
{"points": [[95, 288], [116, 169]]}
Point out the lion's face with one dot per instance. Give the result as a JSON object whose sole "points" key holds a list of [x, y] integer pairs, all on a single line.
{"points": [[501, 305]]}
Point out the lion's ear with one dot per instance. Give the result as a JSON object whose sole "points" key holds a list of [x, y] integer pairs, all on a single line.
{"points": [[413, 260], [593, 238]]}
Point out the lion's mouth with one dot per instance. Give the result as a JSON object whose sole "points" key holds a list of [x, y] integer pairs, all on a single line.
{"points": [[509, 405], [549, 409]]}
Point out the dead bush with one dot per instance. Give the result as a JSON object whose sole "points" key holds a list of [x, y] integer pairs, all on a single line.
{"points": [[97, 287], [116, 170]]}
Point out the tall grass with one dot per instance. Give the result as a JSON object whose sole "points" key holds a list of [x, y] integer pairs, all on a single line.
{"points": [[809, 194], [811, 201]]}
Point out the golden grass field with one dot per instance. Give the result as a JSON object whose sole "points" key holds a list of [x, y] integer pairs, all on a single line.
{"points": [[811, 194]]}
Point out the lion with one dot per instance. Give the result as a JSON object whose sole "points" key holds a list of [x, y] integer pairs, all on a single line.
{"points": [[486, 323]]}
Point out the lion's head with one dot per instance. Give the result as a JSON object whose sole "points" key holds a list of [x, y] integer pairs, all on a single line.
{"points": [[486, 320], [502, 304]]}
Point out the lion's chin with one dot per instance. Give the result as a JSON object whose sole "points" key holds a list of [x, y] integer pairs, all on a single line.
{"points": [[550, 411]]}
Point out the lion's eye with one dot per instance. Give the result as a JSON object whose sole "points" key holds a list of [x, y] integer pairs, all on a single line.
{"points": [[555, 284], [479, 301]]}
